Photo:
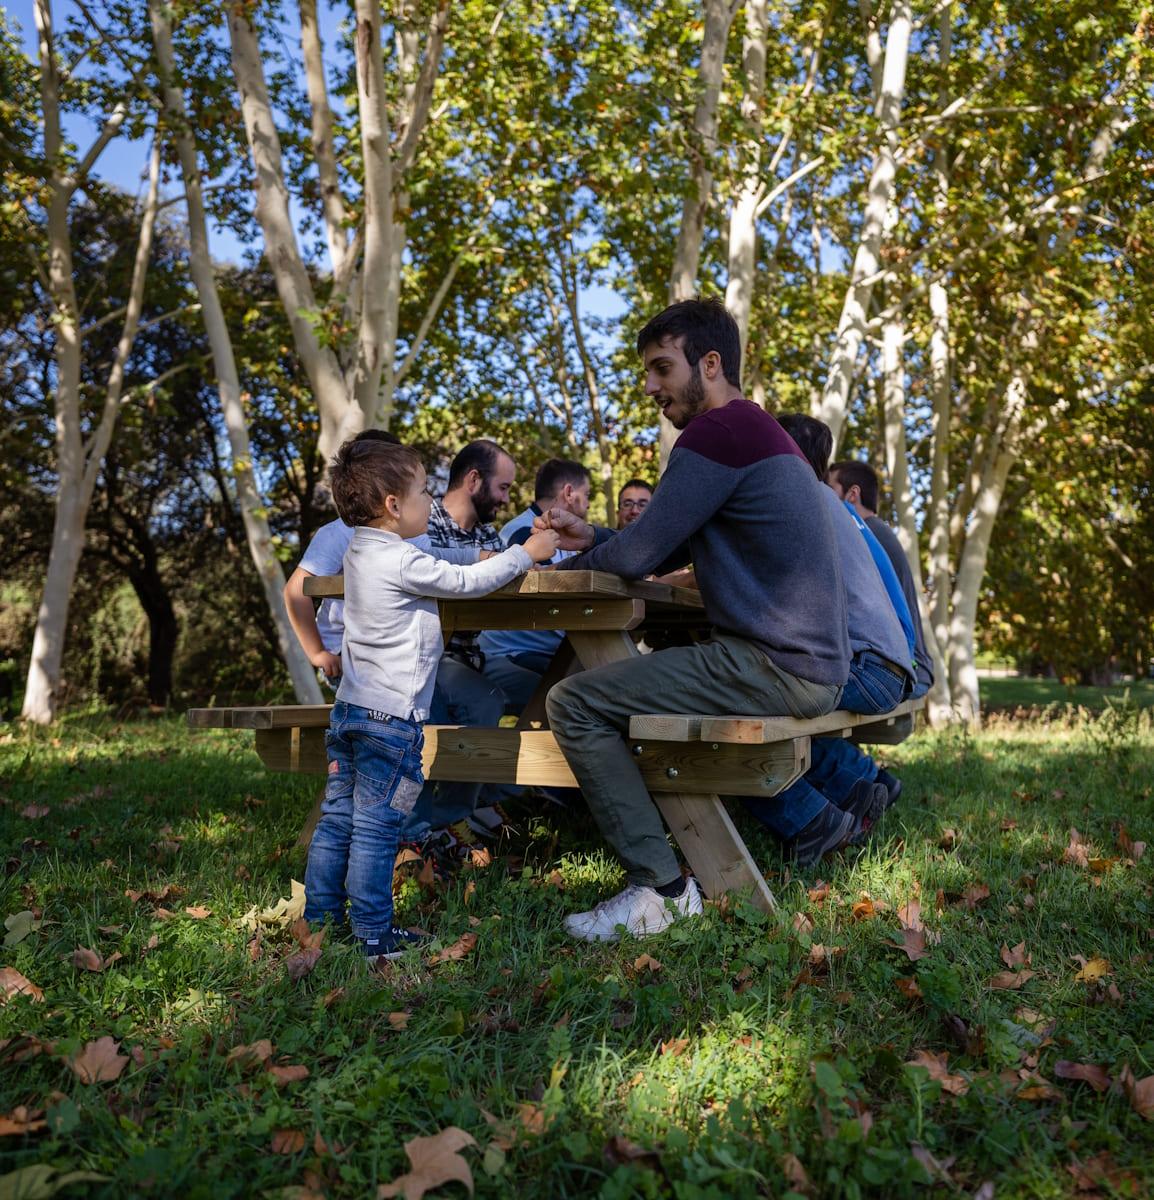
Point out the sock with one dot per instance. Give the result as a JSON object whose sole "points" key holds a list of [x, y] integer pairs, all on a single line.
{"points": [[675, 887]]}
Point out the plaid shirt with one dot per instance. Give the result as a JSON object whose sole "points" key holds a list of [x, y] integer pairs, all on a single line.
{"points": [[444, 531]]}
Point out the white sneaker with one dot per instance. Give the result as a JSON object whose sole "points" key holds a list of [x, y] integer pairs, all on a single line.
{"points": [[642, 911]]}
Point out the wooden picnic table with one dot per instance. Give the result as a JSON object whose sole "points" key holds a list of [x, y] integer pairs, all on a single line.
{"points": [[688, 761]]}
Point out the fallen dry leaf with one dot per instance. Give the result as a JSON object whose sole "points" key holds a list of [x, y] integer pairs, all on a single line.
{"points": [[1010, 981], [283, 1075], [675, 1046], [1076, 853], [198, 911], [1018, 957], [1096, 1076], [910, 915], [287, 1141], [620, 1151], [1037, 1088], [936, 1169], [22, 1120], [252, 1055], [974, 896], [305, 936], [949, 839], [459, 949], [864, 910], [284, 912], [89, 960], [1132, 849], [99, 1061], [169, 890], [151, 944], [20, 925], [955, 1085], [819, 893], [332, 996], [12, 983], [1139, 1091], [435, 1161], [398, 1020], [643, 962], [795, 1174], [300, 964], [802, 923], [470, 891], [35, 811], [1100, 1173], [909, 988], [914, 944], [1092, 969]]}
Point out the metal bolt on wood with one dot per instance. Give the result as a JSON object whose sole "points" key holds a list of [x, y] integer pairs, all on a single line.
{"points": [[671, 772]]}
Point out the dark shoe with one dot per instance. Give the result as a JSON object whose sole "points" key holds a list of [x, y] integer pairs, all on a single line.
{"points": [[830, 830], [892, 785], [867, 802], [391, 944]]}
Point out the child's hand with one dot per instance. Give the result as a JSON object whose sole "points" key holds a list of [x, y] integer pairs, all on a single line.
{"points": [[542, 544], [330, 664]]}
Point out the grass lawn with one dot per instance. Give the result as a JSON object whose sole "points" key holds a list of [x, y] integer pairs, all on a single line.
{"points": [[745, 1056], [1013, 692]]}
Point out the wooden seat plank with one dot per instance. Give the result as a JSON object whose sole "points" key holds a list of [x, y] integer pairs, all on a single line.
{"points": [[265, 716], [762, 730]]}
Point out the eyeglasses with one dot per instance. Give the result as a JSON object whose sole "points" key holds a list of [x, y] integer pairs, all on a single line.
{"points": [[628, 504]]}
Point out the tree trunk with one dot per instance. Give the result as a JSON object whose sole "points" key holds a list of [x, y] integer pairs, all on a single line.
{"points": [[851, 326], [703, 146], [249, 499], [163, 630], [939, 705], [77, 465], [743, 217]]}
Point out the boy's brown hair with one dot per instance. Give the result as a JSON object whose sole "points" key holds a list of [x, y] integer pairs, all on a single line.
{"points": [[364, 472]]}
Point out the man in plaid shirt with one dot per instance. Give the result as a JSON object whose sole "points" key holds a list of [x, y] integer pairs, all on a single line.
{"points": [[479, 481]]}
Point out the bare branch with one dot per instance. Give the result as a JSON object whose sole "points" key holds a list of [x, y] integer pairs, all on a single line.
{"points": [[414, 123]]}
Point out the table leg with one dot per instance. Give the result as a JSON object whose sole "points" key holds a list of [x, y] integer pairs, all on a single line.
{"points": [[700, 822]]}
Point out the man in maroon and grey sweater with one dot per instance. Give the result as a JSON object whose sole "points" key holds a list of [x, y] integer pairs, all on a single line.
{"points": [[740, 501]]}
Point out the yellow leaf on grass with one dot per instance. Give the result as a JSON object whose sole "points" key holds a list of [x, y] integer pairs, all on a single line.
{"points": [[398, 1020], [643, 962], [284, 912], [435, 1161], [99, 1061], [22, 1120], [1092, 969]]}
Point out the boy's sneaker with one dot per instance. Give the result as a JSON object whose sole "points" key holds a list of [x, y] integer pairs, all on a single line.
{"points": [[830, 830], [391, 944], [642, 911], [892, 785]]}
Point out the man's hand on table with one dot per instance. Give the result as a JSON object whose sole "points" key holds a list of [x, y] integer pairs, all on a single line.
{"points": [[572, 532]]}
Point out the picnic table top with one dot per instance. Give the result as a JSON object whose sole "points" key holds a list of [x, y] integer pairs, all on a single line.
{"points": [[569, 585]]}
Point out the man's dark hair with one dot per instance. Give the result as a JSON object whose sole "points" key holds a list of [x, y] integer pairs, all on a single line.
{"points": [[553, 475], [705, 325], [850, 472], [813, 438], [481, 456], [367, 470], [378, 435], [642, 483]]}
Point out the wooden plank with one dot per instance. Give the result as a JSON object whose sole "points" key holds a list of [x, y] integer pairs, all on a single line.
{"points": [[885, 733], [532, 757], [577, 585], [267, 716], [712, 846], [541, 612], [759, 730]]}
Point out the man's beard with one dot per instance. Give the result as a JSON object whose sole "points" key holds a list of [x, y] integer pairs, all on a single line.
{"points": [[486, 505], [692, 399]]}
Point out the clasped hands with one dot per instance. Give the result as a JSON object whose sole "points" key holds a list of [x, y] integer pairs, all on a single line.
{"points": [[572, 532]]}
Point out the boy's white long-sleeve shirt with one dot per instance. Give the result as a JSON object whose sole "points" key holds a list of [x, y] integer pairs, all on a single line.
{"points": [[392, 642]]}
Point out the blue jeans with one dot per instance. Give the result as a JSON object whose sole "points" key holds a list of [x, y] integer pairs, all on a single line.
{"points": [[837, 766], [374, 779], [461, 696], [873, 687]]}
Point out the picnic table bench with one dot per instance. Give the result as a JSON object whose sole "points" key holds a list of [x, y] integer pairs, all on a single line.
{"points": [[688, 761]]}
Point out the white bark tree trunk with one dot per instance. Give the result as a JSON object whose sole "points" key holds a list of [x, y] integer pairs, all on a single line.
{"points": [[703, 141], [256, 526], [851, 326], [77, 464]]}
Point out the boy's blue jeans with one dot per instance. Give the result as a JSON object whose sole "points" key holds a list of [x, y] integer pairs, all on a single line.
{"points": [[873, 687], [374, 780]]}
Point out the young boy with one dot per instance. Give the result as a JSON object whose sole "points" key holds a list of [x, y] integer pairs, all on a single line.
{"points": [[392, 644]]}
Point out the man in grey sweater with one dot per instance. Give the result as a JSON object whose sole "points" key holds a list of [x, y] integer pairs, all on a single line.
{"points": [[740, 500]]}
